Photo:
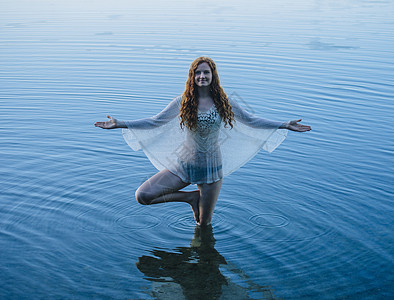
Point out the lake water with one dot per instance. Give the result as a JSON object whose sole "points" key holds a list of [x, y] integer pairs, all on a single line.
{"points": [[312, 220]]}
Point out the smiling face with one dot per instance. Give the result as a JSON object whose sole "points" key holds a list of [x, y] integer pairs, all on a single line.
{"points": [[203, 75]]}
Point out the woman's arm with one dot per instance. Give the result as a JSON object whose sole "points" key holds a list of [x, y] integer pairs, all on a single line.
{"points": [[250, 120], [166, 115]]}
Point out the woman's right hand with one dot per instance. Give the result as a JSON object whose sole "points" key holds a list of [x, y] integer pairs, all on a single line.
{"points": [[111, 124]]}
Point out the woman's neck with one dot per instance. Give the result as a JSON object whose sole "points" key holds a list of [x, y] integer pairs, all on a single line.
{"points": [[203, 92]]}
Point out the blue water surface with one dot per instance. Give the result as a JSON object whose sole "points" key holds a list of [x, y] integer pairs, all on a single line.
{"points": [[312, 220]]}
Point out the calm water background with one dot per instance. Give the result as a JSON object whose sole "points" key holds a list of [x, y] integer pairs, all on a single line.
{"points": [[314, 219]]}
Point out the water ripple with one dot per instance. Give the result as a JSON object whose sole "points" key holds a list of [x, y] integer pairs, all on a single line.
{"points": [[269, 220]]}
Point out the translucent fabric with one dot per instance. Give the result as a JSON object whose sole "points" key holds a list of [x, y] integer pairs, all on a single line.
{"points": [[209, 152]]}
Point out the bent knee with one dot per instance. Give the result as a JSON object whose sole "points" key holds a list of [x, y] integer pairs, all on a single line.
{"points": [[143, 197]]}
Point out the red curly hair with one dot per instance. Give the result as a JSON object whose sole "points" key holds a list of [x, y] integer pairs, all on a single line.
{"points": [[189, 104]]}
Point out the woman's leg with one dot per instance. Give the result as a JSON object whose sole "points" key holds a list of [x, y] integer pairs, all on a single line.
{"points": [[164, 187], [209, 193]]}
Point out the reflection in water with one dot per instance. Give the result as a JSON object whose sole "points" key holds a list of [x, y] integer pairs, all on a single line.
{"points": [[193, 272]]}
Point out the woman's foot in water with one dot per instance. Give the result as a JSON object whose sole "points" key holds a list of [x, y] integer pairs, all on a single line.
{"points": [[194, 203]]}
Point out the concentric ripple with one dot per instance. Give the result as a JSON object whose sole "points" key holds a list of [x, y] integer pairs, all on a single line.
{"points": [[269, 220], [289, 222]]}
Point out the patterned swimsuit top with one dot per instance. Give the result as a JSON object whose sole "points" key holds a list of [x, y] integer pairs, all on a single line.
{"points": [[206, 120]]}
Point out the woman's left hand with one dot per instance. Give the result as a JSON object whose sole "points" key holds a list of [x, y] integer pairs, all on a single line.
{"points": [[294, 126], [111, 124]]}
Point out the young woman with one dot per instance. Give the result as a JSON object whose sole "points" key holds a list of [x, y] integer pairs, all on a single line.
{"points": [[198, 138]]}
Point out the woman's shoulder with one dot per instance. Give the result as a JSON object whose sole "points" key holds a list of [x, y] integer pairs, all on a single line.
{"points": [[233, 102], [178, 99]]}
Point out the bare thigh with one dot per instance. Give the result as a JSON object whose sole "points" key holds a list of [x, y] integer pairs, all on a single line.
{"points": [[209, 193], [158, 185]]}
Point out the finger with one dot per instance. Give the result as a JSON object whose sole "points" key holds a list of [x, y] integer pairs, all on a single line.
{"points": [[300, 128], [294, 122]]}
